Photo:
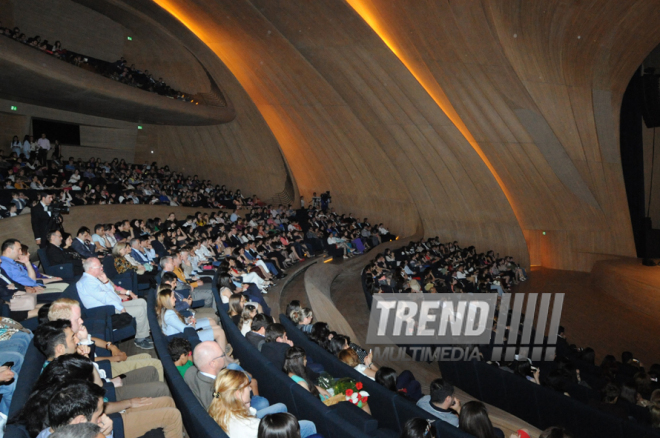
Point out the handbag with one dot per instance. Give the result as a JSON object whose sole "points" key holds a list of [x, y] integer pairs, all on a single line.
{"points": [[22, 301], [121, 320]]}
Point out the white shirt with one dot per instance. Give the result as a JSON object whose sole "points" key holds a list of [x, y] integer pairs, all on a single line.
{"points": [[243, 427], [44, 143], [46, 208]]}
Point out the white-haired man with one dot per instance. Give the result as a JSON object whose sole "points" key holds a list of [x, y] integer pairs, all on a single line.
{"points": [[95, 289]]}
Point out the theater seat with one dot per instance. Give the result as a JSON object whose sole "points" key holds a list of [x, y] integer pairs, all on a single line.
{"points": [[64, 271], [493, 390], [30, 372], [522, 398], [103, 317], [197, 421]]}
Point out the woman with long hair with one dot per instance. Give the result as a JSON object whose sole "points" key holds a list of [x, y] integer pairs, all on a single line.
{"points": [[249, 312], [122, 265], [230, 407], [16, 146], [284, 425], [294, 366], [172, 322], [474, 420]]}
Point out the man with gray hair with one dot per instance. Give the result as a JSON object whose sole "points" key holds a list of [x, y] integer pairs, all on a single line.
{"points": [[197, 291], [95, 289], [78, 430]]}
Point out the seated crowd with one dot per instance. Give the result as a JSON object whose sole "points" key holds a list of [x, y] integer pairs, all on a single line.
{"points": [[180, 258], [433, 267], [75, 182], [117, 70]]}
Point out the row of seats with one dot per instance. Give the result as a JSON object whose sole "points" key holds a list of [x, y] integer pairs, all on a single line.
{"points": [[338, 421], [197, 421], [536, 404], [389, 408], [341, 420]]}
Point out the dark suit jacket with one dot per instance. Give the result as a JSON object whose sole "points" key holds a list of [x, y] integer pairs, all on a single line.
{"points": [[86, 250], [201, 386], [255, 339], [275, 352], [139, 257], [41, 222], [58, 256]]}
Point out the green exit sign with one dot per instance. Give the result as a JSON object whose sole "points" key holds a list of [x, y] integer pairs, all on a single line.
{"points": [[14, 108], [139, 126], [129, 38]]}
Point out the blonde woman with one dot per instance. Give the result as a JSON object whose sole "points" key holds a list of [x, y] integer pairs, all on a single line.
{"points": [[231, 408], [119, 252], [172, 322]]}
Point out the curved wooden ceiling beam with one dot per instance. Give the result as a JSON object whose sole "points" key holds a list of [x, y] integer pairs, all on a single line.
{"points": [[351, 118], [539, 86], [421, 72]]}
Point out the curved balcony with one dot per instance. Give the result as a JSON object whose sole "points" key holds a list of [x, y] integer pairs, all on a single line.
{"points": [[27, 75]]}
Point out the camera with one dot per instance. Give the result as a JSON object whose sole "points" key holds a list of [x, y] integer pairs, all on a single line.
{"points": [[58, 208]]}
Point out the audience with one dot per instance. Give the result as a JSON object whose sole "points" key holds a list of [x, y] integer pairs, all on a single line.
{"points": [[96, 289], [119, 70], [474, 420], [442, 403], [232, 408]]}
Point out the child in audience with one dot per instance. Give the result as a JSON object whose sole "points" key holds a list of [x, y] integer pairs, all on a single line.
{"points": [[181, 353]]}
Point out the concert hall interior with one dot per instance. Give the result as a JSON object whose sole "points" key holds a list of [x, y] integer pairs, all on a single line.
{"points": [[202, 199]]}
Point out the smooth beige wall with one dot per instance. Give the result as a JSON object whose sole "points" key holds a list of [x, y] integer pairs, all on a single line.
{"points": [[99, 137]]}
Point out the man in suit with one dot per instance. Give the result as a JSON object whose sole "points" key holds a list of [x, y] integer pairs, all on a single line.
{"points": [[209, 360], [83, 245], [57, 256], [257, 335], [42, 220], [232, 239], [276, 345]]}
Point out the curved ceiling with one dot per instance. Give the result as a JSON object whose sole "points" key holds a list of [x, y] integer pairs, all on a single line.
{"points": [[524, 94], [492, 122], [351, 118]]}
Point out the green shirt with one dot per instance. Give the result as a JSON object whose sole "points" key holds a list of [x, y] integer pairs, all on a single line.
{"points": [[183, 368]]}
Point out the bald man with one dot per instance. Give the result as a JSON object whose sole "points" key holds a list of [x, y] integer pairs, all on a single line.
{"points": [[209, 360]]}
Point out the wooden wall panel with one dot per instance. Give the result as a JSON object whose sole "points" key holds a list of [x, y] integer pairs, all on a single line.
{"points": [[502, 64], [11, 125], [652, 175], [114, 138], [79, 29], [351, 118]]}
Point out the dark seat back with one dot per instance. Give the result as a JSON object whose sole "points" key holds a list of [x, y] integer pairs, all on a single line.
{"points": [[197, 421], [30, 372]]}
